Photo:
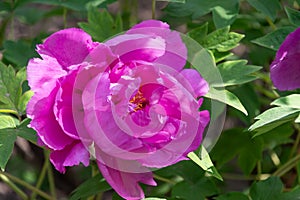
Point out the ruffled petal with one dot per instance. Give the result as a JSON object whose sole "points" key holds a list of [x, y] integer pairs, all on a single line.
{"points": [[175, 53], [126, 184], [44, 122], [68, 46], [72, 155]]}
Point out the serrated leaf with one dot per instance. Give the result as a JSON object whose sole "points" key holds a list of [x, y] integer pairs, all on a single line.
{"points": [[10, 87], [226, 97], [7, 140], [293, 15], [291, 101], [7, 121], [204, 161], [25, 52], [199, 8], [220, 56], [267, 7], [101, 25], [274, 39], [236, 72], [199, 33], [272, 118], [90, 187], [24, 99], [222, 40]]}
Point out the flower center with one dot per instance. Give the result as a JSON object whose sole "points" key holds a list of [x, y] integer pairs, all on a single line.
{"points": [[139, 101]]}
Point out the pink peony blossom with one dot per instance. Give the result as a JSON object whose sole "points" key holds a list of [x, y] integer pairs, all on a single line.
{"points": [[285, 69], [129, 103]]}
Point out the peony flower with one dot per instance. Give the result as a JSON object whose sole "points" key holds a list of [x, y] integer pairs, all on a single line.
{"points": [[142, 110], [285, 69], [128, 103]]}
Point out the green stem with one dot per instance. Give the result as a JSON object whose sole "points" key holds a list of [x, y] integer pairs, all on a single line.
{"points": [[287, 166], [27, 185], [50, 175], [13, 186], [164, 179], [153, 8], [243, 177], [297, 141], [41, 179], [65, 17], [273, 26], [258, 169]]}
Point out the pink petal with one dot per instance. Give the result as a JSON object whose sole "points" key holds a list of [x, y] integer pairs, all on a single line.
{"points": [[175, 53], [199, 85], [126, 184], [73, 154], [137, 47], [69, 46], [42, 75], [44, 122]]}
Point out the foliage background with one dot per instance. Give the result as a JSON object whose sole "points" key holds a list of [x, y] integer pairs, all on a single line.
{"points": [[257, 155]]}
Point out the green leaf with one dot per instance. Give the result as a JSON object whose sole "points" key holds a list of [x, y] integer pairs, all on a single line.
{"points": [[204, 161], [267, 7], [25, 132], [7, 140], [233, 196], [274, 39], [236, 72], [278, 136], [272, 189], [197, 8], [199, 34], [222, 40], [101, 25], [267, 189], [239, 144], [10, 87], [90, 187], [273, 118], [226, 97], [24, 101], [223, 16], [75, 5], [197, 191], [291, 101], [153, 198], [25, 52], [293, 15], [7, 121]]}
